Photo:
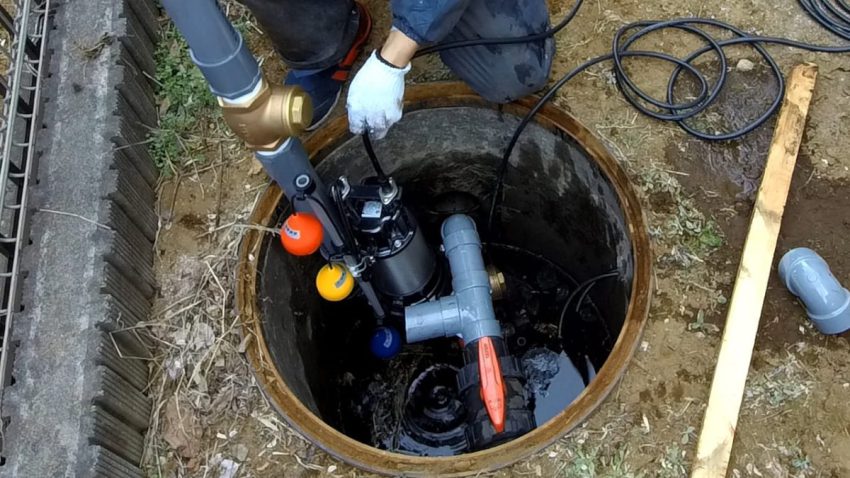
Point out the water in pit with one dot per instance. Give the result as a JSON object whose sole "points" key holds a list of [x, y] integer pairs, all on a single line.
{"points": [[562, 225], [410, 404]]}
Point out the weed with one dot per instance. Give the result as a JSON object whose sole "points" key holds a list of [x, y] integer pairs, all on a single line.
{"points": [[686, 225], [673, 463], [696, 232], [801, 461], [597, 462], [91, 52], [699, 325], [616, 466], [779, 386], [583, 464], [184, 101], [689, 434], [789, 460], [710, 237]]}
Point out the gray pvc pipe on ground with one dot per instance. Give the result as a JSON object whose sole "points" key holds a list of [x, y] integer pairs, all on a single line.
{"points": [[215, 47], [807, 276]]}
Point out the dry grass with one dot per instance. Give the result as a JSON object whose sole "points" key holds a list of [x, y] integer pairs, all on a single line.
{"points": [[209, 417], [195, 379], [772, 391]]}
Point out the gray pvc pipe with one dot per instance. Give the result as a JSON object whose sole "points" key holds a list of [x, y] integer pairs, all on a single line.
{"points": [[287, 163], [215, 47], [807, 276], [469, 312], [283, 166]]}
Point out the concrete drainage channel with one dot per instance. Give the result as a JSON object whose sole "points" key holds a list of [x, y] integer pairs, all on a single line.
{"points": [[72, 406], [572, 216]]}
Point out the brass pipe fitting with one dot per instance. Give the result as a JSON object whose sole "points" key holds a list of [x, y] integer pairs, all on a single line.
{"points": [[276, 113], [498, 286]]}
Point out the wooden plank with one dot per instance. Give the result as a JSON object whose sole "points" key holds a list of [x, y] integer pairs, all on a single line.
{"points": [[742, 320]]}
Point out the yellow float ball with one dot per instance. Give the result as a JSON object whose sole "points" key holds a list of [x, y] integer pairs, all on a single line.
{"points": [[334, 282]]}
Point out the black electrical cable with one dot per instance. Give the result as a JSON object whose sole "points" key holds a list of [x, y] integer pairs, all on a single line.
{"points": [[834, 15], [540, 257], [350, 239], [505, 40], [376, 165], [588, 284]]}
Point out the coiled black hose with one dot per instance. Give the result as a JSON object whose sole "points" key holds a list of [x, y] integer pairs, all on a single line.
{"points": [[834, 15]]}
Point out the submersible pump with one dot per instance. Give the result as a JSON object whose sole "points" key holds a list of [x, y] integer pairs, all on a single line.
{"points": [[372, 243]]}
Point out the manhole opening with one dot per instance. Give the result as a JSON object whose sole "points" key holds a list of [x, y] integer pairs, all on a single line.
{"points": [[562, 225]]}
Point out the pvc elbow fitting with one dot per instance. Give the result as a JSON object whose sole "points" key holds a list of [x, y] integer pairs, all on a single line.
{"points": [[808, 277]]}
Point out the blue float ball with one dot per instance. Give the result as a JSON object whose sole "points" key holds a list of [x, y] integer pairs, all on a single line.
{"points": [[386, 342]]}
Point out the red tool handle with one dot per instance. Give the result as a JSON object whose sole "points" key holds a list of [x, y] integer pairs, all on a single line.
{"points": [[492, 383]]}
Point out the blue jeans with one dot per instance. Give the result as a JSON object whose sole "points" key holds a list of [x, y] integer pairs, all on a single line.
{"points": [[312, 34], [308, 34], [502, 73]]}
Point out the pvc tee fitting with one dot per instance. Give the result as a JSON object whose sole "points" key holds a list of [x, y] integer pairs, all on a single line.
{"points": [[808, 277], [469, 312]]}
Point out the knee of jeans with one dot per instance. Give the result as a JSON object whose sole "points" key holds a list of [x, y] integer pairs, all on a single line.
{"points": [[533, 76], [521, 80]]}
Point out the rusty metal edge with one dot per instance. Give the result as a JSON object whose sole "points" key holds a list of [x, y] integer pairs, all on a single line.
{"points": [[435, 95]]}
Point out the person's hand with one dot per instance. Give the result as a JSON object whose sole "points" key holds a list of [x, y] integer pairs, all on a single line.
{"points": [[374, 98]]}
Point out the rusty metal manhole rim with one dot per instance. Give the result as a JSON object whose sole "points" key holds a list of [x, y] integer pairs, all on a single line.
{"points": [[436, 95]]}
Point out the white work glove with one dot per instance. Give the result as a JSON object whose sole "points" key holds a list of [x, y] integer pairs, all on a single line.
{"points": [[374, 98]]}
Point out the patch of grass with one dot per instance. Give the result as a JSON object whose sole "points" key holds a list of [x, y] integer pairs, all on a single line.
{"points": [[184, 102], [710, 236], [673, 463], [788, 460], [597, 462], [685, 224], [800, 461], [700, 235], [689, 434], [583, 464], [616, 465], [776, 388]]}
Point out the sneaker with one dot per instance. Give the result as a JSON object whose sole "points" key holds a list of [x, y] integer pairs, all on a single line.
{"points": [[325, 86]]}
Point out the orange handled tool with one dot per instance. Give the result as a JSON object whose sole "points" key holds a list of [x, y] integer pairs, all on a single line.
{"points": [[492, 383]]}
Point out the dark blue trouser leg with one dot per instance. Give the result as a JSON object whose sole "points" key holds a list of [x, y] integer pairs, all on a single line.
{"points": [[502, 73], [308, 34]]}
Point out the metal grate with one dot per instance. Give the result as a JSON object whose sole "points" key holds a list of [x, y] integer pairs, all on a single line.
{"points": [[23, 30]]}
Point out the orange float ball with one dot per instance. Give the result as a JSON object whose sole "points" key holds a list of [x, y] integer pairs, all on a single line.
{"points": [[301, 234]]}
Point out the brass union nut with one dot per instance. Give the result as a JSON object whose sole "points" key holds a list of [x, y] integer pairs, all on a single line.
{"points": [[498, 286]]}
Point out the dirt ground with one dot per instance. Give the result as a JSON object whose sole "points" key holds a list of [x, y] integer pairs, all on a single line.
{"points": [[211, 419]]}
